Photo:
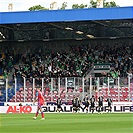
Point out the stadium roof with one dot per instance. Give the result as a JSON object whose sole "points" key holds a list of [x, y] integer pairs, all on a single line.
{"points": [[67, 24], [66, 15]]}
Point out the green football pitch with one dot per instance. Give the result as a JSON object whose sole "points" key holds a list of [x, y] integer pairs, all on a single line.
{"points": [[67, 123]]}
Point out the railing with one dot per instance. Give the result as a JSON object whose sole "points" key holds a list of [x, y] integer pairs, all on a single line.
{"points": [[23, 90]]}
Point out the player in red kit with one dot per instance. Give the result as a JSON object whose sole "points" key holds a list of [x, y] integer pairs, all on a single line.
{"points": [[40, 99]]}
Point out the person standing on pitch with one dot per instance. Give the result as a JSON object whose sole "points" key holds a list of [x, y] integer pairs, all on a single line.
{"points": [[92, 102], [40, 99], [109, 100], [100, 104], [58, 103], [78, 104], [74, 101], [86, 102]]}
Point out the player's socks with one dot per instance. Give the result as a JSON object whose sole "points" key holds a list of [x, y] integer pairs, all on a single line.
{"points": [[86, 111], [78, 110], [98, 110], [102, 109], [92, 111], [42, 114], [58, 111], [108, 110], [36, 114]]}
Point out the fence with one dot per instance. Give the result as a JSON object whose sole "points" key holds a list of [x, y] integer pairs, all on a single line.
{"points": [[23, 89]]}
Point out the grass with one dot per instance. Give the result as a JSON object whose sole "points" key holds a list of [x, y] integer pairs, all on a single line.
{"points": [[67, 123]]}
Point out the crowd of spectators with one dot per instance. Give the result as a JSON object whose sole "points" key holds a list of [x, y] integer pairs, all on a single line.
{"points": [[74, 62]]}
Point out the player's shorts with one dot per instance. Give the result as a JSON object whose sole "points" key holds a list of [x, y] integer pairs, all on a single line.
{"points": [[92, 105], [40, 105], [77, 106], [100, 104], [86, 105], [58, 106], [109, 104], [74, 107]]}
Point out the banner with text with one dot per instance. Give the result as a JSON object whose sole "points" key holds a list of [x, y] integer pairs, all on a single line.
{"points": [[116, 107]]}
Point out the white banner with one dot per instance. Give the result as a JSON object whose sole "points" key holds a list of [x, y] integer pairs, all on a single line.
{"points": [[17, 109], [54, 103], [116, 107]]}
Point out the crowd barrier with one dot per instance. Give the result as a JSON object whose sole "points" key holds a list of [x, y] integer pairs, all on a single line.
{"points": [[65, 88]]}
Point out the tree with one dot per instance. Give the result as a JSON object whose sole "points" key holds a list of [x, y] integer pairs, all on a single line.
{"points": [[110, 4], [37, 7], [76, 6], [64, 5], [93, 4]]}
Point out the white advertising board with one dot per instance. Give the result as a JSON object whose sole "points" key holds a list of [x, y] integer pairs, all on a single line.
{"points": [[117, 107]]}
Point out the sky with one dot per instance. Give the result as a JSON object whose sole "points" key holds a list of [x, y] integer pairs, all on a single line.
{"points": [[24, 5]]}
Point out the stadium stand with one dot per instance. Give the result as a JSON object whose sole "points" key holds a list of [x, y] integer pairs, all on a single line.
{"points": [[64, 64], [62, 54]]}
